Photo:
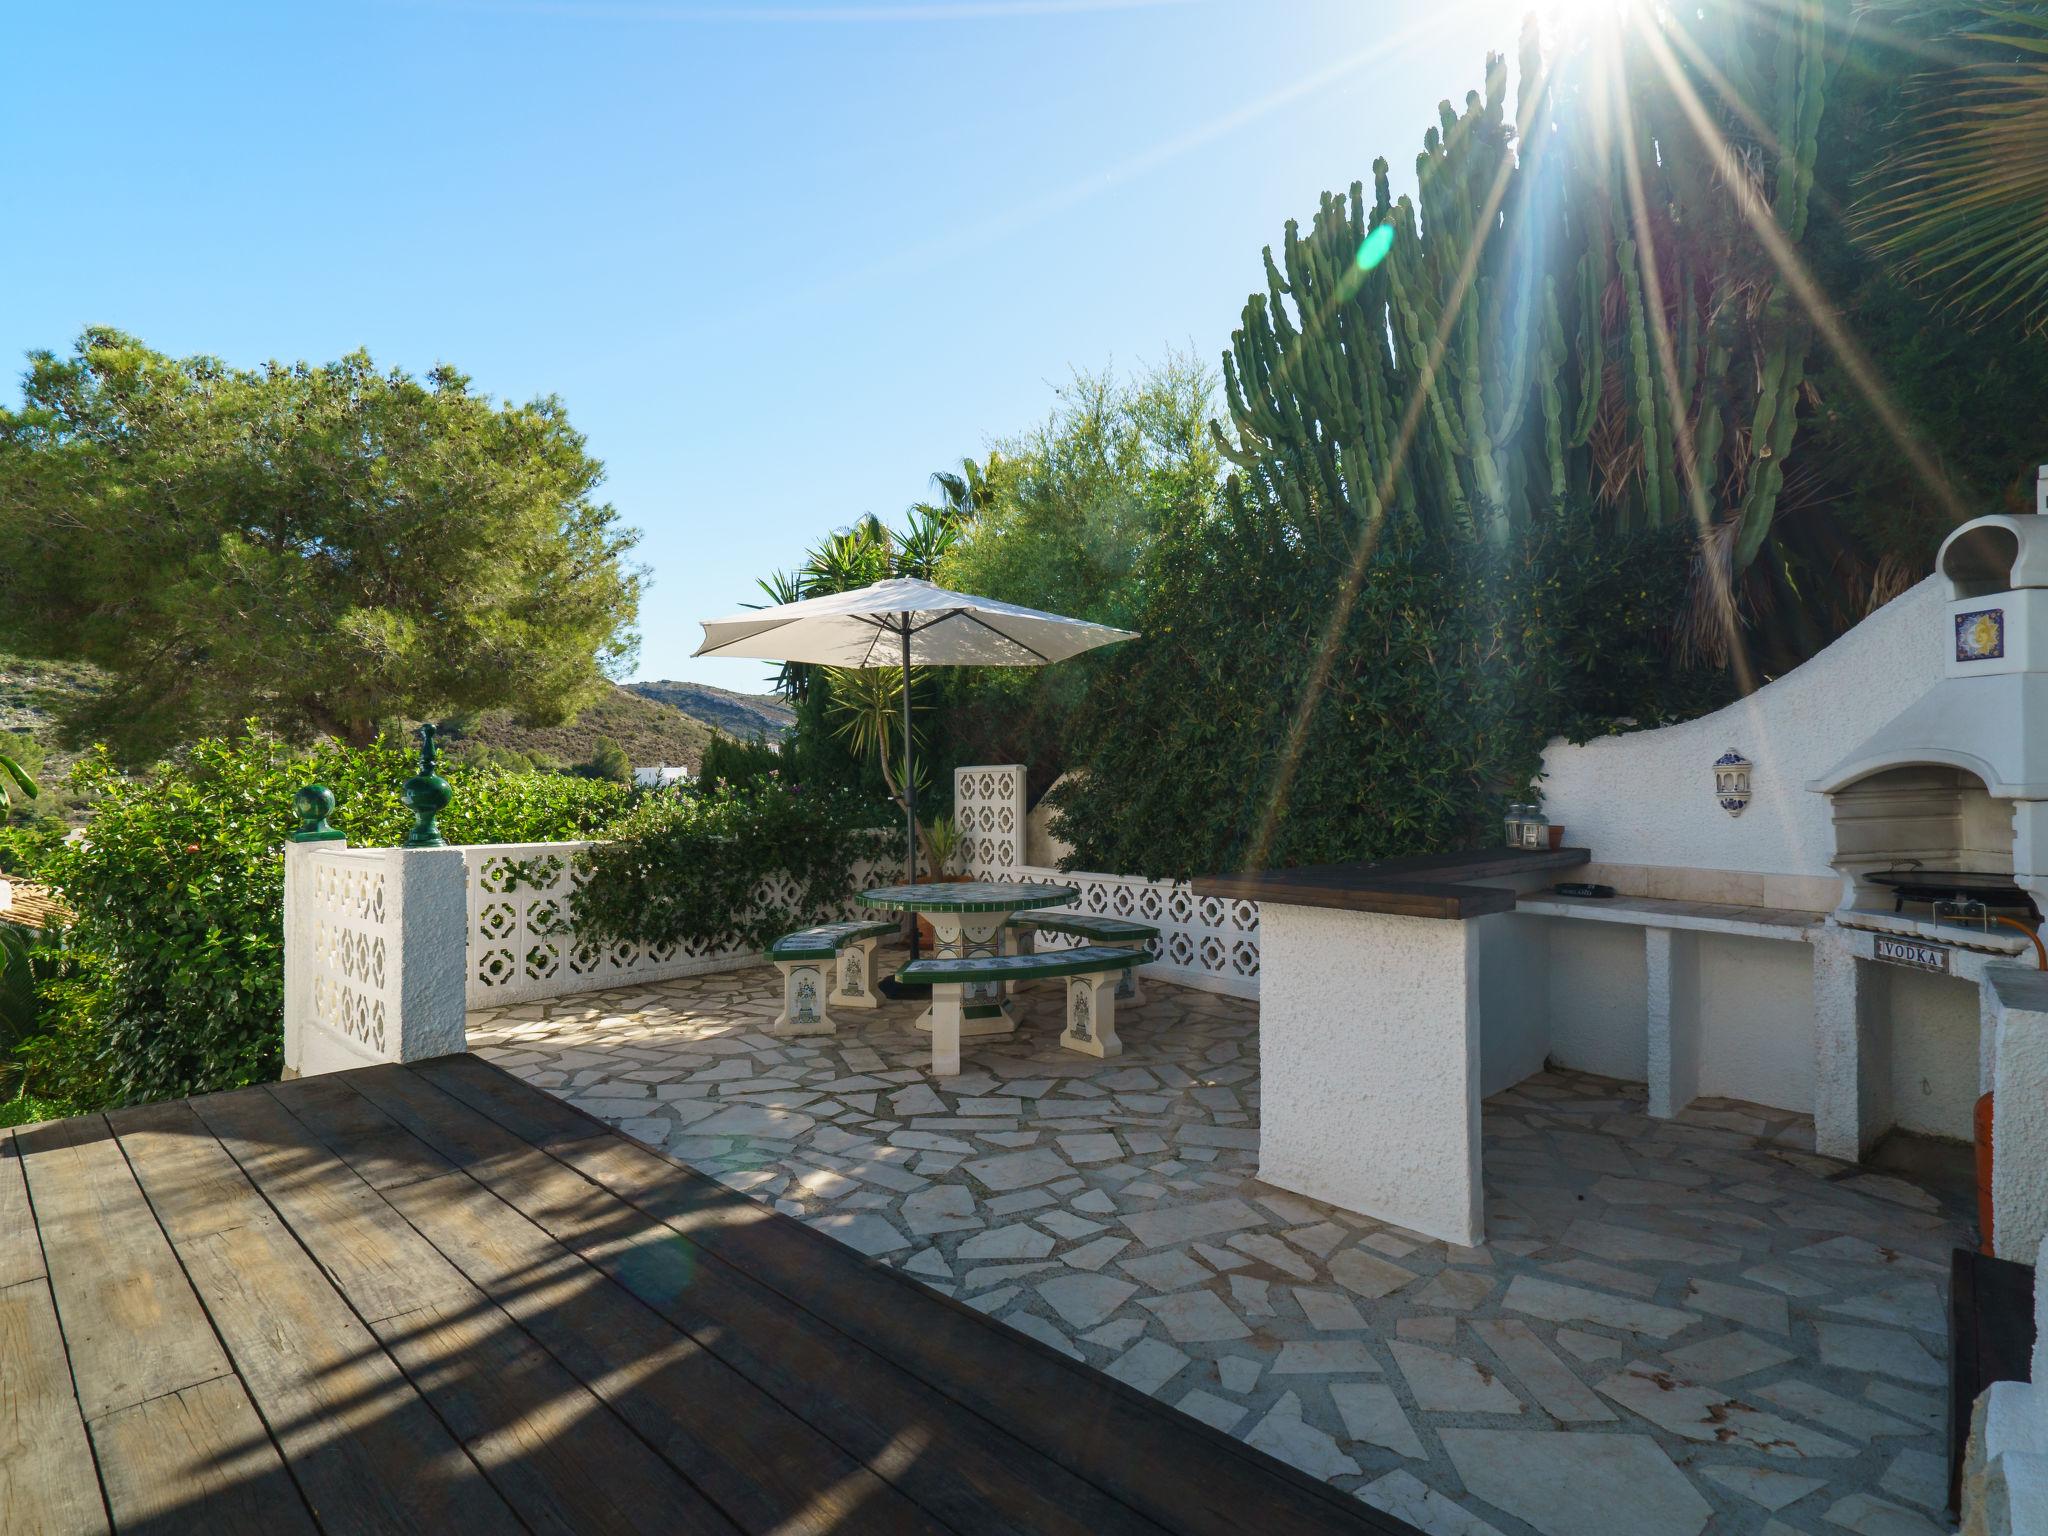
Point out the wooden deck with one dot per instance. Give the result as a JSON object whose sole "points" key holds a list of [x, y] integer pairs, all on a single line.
{"points": [[432, 1299]]}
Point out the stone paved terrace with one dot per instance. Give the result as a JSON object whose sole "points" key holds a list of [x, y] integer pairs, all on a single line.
{"points": [[1674, 1326]]}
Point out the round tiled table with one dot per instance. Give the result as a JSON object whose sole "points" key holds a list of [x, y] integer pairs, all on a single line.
{"points": [[967, 918]]}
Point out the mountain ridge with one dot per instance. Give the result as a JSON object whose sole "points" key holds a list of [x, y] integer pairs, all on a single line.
{"points": [[737, 714]]}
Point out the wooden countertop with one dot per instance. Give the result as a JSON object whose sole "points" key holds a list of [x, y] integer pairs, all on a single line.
{"points": [[1441, 885]]}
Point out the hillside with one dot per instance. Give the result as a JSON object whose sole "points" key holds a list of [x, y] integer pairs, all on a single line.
{"points": [[649, 728], [650, 731], [737, 714]]}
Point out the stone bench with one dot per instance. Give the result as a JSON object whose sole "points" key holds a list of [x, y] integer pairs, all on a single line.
{"points": [[1094, 930], [1092, 972], [803, 957]]}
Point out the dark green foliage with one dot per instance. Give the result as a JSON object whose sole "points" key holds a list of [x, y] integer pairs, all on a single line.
{"points": [[178, 898], [1455, 665], [731, 763], [323, 548], [46, 1069], [608, 761], [688, 869], [26, 845]]}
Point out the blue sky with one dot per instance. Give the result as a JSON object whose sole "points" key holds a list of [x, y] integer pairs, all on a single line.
{"points": [[780, 261]]}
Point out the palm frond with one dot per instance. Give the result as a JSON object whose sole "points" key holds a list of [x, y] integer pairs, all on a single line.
{"points": [[1963, 208]]}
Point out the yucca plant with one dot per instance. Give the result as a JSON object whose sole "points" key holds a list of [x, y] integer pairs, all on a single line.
{"points": [[942, 837], [10, 769], [867, 714], [1963, 207]]}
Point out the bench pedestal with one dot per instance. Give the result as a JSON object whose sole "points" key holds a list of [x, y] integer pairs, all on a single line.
{"points": [[1091, 1014], [804, 993], [854, 986], [979, 1005]]}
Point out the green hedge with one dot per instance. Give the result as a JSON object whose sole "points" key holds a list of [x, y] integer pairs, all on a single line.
{"points": [[1199, 750], [686, 869], [178, 898]]}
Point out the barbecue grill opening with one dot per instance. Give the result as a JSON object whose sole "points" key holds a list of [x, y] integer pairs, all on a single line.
{"points": [[1921, 841]]}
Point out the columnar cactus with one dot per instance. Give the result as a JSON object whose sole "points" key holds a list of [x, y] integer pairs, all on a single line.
{"points": [[1539, 327]]}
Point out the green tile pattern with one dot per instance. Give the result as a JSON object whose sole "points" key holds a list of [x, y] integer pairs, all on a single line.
{"points": [[826, 940], [968, 896], [1056, 962]]}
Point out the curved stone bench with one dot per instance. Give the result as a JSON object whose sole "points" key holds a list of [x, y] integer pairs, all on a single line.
{"points": [[804, 957], [1095, 930], [1092, 973]]}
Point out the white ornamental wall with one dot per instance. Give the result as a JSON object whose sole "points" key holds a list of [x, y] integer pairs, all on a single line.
{"points": [[1203, 942], [988, 810], [522, 940], [371, 940], [1646, 799]]}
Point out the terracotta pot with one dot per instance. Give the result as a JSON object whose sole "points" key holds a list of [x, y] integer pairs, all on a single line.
{"points": [[1556, 837]]}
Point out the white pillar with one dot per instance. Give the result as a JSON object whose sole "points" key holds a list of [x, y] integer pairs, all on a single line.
{"points": [[1852, 1066], [1369, 1065], [376, 954], [1671, 967], [2017, 997]]}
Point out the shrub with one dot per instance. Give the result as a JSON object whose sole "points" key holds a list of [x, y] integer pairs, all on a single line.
{"points": [[1433, 699], [689, 869], [608, 761], [735, 763], [178, 894], [42, 1065], [27, 845]]}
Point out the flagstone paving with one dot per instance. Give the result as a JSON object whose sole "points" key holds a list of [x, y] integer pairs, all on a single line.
{"points": [[1673, 1326]]}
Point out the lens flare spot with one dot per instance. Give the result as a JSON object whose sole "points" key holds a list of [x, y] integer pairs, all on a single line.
{"points": [[1373, 250]]}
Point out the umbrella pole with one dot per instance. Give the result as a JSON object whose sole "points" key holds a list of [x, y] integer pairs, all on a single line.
{"points": [[909, 782]]}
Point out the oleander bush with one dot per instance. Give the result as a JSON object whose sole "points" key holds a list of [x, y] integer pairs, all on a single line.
{"points": [[729, 864], [177, 894]]}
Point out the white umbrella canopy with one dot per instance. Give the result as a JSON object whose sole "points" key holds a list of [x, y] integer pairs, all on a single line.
{"points": [[904, 622], [868, 626]]}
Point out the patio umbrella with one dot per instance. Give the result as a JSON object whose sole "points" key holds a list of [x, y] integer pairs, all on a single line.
{"points": [[904, 623]]}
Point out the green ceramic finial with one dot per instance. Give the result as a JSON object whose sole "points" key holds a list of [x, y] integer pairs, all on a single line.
{"points": [[313, 805], [427, 794]]}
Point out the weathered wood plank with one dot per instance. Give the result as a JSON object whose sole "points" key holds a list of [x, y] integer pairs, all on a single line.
{"points": [[968, 1474], [21, 1251], [197, 1460], [133, 1327], [383, 1154], [366, 1451], [538, 1119], [47, 1484], [562, 1460], [1114, 1437], [374, 1259], [764, 1466], [767, 1468]]}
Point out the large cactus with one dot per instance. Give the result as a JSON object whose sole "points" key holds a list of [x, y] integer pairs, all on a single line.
{"points": [[1571, 305]]}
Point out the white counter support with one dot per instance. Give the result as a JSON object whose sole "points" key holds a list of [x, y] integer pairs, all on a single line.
{"points": [[1369, 1054], [1671, 968], [2018, 1001], [1848, 1110]]}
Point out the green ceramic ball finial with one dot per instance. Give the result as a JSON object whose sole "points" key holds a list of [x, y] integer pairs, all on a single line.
{"points": [[313, 805], [427, 795]]}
